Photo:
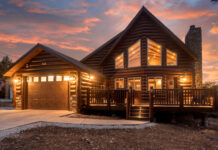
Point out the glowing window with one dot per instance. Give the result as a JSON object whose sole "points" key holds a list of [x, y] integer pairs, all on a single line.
{"points": [[119, 83], [154, 54], [35, 79], [135, 83], [171, 58], [66, 78], [134, 55], [43, 79], [58, 78], [119, 61], [156, 83], [29, 79], [50, 78]]}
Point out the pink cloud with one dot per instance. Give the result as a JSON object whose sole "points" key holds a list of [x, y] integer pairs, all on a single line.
{"points": [[2, 12], [91, 21], [14, 39], [122, 6]]}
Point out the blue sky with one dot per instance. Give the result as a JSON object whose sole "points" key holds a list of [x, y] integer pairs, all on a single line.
{"points": [[77, 27]]}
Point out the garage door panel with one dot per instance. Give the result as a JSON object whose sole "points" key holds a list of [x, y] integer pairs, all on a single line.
{"points": [[48, 95]]}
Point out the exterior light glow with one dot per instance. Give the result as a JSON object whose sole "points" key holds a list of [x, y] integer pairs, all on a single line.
{"points": [[66, 78], [72, 78], [15, 80], [184, 79], [91, 77]]}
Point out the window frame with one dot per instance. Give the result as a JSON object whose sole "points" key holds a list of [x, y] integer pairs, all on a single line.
{"points": [[37, 79], [161, 52], [134, 83], [59, 76], [140, 54], [115, 83], [42, 77], [115, 61], [51, 76], [156, 77], [176, 58]]}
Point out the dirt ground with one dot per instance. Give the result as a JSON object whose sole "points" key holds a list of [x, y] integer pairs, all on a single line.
{"points": [[162, 136]]}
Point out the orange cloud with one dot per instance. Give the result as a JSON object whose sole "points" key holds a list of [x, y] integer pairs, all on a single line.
{"points": [[14, 39], [57, 11], [184, 14], [214, 29], [122, 6], [91, 21]]}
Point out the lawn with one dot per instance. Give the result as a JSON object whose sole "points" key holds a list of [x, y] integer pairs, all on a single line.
{"points": [[162, 136]]}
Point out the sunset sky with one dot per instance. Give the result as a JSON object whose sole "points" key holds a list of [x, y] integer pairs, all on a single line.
{"points": [[77, 27]]}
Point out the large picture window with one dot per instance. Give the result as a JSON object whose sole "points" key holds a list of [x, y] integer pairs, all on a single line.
{"points": [[154, 54], [171, 58], [119, 83], [134, 83], [156, 83], [119, 61], [134, 55]]}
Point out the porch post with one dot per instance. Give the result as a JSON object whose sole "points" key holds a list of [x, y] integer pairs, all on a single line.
{"points": [[181, 97], [151, 105]]}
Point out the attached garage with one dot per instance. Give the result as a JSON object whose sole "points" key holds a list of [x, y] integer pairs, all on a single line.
{"points": [[47, 79], [48, 95]]}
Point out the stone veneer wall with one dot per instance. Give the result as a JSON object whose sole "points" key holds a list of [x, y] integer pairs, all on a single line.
{"points": [[193, 40]]}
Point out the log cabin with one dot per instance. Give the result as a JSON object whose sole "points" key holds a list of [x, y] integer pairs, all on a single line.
{"points": [[141, 68]]}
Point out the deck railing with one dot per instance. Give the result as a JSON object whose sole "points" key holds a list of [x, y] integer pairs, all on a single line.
{"points": [[183, 97], [107, 97]]}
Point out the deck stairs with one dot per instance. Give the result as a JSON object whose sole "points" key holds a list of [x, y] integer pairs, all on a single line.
{"points": [[139, 113]]}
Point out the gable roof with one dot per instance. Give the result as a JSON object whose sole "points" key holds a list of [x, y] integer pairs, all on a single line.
{"points": [[112, 40], [120, 36], [37, 49]]}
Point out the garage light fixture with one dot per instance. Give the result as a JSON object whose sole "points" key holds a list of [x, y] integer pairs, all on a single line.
{"points": [[91, 77], [15, 80]]}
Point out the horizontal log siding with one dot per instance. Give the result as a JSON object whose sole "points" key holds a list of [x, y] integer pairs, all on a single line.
{"points": [[52, 62], [144, 28]]}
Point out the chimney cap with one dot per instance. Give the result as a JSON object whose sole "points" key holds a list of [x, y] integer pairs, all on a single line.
{"points": [[192, 27]]}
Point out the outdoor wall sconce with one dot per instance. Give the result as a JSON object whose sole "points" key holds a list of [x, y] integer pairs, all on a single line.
{"points": [[91, 77], [15, 80]]}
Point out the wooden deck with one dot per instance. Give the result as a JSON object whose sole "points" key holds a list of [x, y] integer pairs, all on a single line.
{"points": [[185, 100]]}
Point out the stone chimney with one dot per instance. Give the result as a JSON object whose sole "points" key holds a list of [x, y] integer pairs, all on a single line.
{"points": [[193, 41]]}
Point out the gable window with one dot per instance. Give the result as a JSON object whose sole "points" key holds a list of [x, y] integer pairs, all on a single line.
{"points": [[119, 61], [50, 78], [43, 79], [156, 83], [154, 53], [171, 58], [119, 83], [134, 55], [134, 83], [35, 79]]}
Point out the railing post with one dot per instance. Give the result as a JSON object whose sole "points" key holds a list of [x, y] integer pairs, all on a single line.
{"points": [[151, 105], [215, 96], [109, 99], [88, 97], [127, 104], [181, 102]]}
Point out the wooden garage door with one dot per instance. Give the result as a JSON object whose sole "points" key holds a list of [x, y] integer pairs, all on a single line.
{"points": [[48, 95]]}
